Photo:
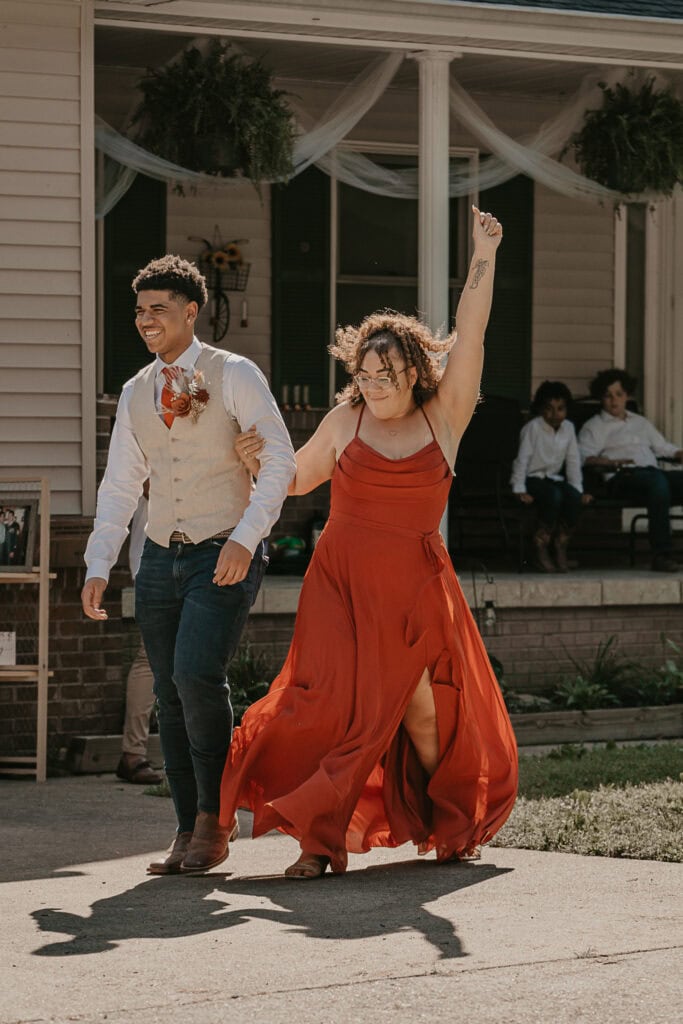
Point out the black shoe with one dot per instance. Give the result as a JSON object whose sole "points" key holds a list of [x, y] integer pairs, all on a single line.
{"points": [[665, 563]]}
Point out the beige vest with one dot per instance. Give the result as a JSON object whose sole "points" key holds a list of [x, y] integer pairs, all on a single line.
{"points": [[197, 481]]}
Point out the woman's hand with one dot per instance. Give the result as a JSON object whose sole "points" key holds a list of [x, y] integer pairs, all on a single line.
{"points": [[487, 231], [525, 498], [249, 446], [586, 498]]}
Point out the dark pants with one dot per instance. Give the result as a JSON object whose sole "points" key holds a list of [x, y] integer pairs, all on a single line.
{"points": [[658, 491], [556, 501], [191, 629]]}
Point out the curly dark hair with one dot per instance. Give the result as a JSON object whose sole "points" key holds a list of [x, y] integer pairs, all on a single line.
{"points": [[380, 332], [604, 379], [546, 392], [175, 275]]}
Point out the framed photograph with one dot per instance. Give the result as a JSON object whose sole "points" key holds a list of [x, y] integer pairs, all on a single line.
{"points": [[18, 521]]}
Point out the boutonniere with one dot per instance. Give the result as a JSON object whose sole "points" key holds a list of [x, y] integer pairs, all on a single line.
{"points": [[188, 396]]}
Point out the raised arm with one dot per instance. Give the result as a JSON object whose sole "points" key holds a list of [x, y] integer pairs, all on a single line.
{"points": [[459, 386]]}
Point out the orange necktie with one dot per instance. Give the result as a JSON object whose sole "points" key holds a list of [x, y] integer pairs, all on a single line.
{"points": [[167, 395]]}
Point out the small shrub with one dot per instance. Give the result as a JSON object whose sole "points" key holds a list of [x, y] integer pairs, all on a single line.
{"points": [[580, 694], [608, 668], [250, 674]]}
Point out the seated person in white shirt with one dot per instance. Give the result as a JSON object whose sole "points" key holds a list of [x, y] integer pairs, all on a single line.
{"points": [[547, 472], [627, 446]]}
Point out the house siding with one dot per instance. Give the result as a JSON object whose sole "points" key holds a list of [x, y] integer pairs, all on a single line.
{"points": [[40, 246], [573, 300], [237, 212]]}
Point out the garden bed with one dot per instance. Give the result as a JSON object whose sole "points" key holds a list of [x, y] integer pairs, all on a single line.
{"points": [[601, 724]]}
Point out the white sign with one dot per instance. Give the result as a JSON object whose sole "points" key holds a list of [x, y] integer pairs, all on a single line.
{"points": [[8, 648]]}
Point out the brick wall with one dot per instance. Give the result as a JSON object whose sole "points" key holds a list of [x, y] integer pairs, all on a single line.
{"points": [[534, 644], [90, 660]]}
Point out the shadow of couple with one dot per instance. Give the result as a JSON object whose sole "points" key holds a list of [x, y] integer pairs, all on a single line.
{"points": [[380, 900]]}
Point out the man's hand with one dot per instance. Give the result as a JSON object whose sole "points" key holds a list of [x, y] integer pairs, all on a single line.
{"points": [[586, 498], [525, 498], [233, 564], [91, 598]]}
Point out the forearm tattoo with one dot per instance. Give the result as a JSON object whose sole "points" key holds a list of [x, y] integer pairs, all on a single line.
{"points": [[480, 268]]}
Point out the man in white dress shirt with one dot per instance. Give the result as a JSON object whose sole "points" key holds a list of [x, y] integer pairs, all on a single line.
{"points": [[627, 447], [203, 560]]}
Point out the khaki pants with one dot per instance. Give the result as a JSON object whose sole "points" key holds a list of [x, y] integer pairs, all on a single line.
{"points": [[139, 704]]}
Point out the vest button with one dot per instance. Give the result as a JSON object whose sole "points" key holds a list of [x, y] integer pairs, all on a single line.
{"points": [[176, 479], [176, 459]]}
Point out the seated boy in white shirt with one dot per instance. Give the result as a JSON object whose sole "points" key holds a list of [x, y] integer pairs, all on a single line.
{"points": [[547, 472], [627, 446]]}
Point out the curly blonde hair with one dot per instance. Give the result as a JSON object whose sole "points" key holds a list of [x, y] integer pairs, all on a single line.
{"points": [[380, 332]]}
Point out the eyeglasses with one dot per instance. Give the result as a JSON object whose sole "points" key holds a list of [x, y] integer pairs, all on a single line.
{"points": [[381, 383]]}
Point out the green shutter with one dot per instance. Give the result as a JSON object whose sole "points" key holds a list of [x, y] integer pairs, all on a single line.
{"points": [[300, 285], [134, 234]]}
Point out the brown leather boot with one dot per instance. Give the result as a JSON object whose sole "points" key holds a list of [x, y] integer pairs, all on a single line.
{"points": [[171, 863], [542, 560], [560, 542], [210, 844]]}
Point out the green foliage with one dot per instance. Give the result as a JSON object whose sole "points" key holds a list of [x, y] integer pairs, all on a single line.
{"points": [[634, 142], [575, 766], [599, 682], [640, 822], [610, 802], [218, 113], [249, 674], [580, 694]]}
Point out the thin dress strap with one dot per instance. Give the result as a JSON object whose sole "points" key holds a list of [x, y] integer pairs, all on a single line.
{"points": [[428, 423], [362, 410]]}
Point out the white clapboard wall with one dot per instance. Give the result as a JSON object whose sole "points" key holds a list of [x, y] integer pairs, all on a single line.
{"points": [[573, 298], [40, 245]]}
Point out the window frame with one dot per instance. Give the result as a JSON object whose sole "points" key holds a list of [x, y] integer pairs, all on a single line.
{"points": [[455, 284]]}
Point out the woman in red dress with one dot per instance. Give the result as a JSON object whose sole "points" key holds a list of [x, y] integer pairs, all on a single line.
{"points": [[386, 724]]}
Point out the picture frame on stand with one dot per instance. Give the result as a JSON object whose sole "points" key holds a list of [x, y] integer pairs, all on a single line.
{"points": [[18, 522]]}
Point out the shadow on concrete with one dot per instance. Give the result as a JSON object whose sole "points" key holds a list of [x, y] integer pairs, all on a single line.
{"points": [[378, 901], [52, 829]]}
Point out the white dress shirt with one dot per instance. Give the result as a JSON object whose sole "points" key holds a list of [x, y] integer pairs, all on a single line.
{"points": [[543, 451], [633, 438], [248, 399]]}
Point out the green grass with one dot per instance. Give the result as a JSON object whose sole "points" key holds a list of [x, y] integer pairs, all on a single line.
{"points": [[609, 802], [575, 767], [642, 822]]}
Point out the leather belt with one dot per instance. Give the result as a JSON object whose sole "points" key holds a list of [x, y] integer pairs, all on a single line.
{"points": [[178, 537]]}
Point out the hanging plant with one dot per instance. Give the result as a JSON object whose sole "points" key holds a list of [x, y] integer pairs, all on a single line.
{"points": [[217, 112], [634, 142]]}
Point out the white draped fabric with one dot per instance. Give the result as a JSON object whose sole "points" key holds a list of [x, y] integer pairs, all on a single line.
{"points": [[319, 143]]}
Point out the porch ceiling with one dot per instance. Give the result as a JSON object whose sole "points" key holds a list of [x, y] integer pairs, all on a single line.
{"points": [[470, 27], [132, 49]]}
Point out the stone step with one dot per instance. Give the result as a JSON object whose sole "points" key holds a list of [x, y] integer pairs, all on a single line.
{"points": [[94, 754]]}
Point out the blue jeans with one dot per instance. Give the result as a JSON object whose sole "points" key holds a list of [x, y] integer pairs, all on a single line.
{"points": [[556, 501], [191, 628], [657, 490]]}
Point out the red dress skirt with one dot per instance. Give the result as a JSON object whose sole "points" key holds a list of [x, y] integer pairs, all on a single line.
{"points": [[324, 756]]}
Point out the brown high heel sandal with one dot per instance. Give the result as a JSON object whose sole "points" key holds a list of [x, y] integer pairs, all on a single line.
{"points": [[308, 867]]}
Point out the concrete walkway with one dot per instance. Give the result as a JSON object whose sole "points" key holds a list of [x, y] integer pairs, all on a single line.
{"points": [[516, 937]]}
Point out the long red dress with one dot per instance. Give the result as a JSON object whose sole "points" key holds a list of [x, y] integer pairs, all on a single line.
{"points": [[323, 756]]}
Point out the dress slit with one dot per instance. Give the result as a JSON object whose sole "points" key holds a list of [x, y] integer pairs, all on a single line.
{"points": [[325, 755]]}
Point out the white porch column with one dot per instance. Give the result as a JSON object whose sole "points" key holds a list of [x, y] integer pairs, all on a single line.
{"points": [[664, 316], [433, 219], [433, 213]]}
